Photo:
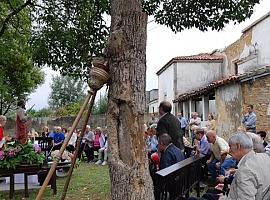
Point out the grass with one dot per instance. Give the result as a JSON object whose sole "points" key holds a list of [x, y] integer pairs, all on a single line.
{"points": [[89, 181]]}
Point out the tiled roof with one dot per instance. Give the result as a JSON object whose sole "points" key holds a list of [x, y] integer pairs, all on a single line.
{"points": [[201, 56], [228, 80], [196, 58]]}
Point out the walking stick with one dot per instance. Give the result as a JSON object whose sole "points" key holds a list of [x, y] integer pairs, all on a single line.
{"points": [[64, 145], [78, 147]]}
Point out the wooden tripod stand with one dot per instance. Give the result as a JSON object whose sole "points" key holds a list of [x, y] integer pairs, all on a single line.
{"points": [[98, 77]]}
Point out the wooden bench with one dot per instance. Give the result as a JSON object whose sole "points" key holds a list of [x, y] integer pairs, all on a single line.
{"points": [[176, 181]]}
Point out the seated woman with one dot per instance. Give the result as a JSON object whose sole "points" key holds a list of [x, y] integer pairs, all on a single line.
{"points": [[99, 139], [45, 131], [101, 144], [72, 141], [103, 152]]}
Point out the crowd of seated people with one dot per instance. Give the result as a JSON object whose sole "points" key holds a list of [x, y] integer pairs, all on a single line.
{"points": [[223, 160], [250, 179], [91, 142]]}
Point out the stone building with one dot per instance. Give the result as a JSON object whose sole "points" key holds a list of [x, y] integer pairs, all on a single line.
{"points": [[244, 80]]}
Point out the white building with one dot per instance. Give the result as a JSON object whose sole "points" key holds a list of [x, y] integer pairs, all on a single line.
{"points": [[152, 101], [186, 73]]}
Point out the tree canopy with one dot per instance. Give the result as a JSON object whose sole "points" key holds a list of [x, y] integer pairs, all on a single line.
{"points": [[201, 14], [66, 90], [18, 75], [67, 34]]}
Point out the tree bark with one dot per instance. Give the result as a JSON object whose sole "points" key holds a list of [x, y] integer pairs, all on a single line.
{"points": [[126, 54]]}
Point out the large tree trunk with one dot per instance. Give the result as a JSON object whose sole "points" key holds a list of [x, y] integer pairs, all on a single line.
{"points": [[129, 172]]}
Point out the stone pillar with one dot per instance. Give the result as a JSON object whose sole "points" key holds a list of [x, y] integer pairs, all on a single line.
{"points": [[191, 107], [205, 102]]}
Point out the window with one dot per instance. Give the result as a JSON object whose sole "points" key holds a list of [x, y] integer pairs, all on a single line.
{"points": [[235, 68]]}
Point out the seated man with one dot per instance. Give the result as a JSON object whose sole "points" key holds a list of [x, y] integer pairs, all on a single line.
{"points": [[220, 149], [58, 138], [203, 148], [170, 154]]}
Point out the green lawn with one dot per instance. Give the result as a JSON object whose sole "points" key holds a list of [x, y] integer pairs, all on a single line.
{"points": [[89, 181]]}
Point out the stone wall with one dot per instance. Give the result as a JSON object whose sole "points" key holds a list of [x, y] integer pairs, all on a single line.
{"points": [[232, 101], [234, 51], [228, 107], [257, 93], [38, 123]]}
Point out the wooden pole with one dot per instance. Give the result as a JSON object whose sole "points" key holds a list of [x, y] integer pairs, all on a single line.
{"points": [[64, 145], [78, 143]]}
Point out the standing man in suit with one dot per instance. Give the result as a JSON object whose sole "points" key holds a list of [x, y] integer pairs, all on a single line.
{"points": [[169, 124]]}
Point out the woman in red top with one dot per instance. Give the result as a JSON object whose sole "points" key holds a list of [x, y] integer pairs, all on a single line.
{"points": [[3, 120]]}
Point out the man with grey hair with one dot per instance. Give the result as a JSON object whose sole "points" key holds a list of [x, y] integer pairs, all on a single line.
{"points": [[252, 179], [220, 150], [170, 154]]}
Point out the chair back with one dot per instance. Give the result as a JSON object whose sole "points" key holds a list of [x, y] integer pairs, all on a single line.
{"points": [[45, 144]]}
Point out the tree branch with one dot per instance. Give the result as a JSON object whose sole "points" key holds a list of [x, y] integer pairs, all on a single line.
{"points": [[10, 15], [7, 109]]}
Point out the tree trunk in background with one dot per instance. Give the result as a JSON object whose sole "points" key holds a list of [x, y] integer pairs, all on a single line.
{"points": [[126, 53]]}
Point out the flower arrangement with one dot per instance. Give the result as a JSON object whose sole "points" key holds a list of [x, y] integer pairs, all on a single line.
{"points": [[15, 154]]}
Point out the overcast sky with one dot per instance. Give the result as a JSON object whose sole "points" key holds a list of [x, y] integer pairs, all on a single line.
{"points": [[163, 44]]}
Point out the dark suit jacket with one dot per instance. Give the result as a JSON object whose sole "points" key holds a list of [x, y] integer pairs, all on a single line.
{"points": [[170, 124], [171, 156]]}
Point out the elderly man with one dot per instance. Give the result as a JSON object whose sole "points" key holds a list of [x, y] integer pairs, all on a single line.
{"points": [[169, 124], [58, 138], [203, 145], [170, 154], [203, 148], [220, 149], [195, 121]]}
